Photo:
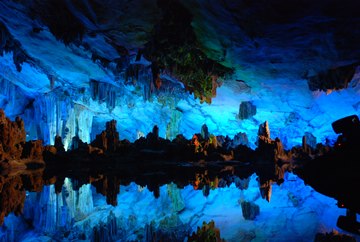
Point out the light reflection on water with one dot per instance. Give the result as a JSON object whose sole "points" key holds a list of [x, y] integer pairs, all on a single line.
{"points": [[84, 212]]}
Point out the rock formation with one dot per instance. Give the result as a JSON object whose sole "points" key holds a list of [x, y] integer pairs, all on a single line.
{"points": [[108, 140], [240, 139], [12, 137], [13, 189], [58, 144], [208, 232], [333, 236], [152, 161], [109, 187], [14, 150], [250, 210], [246, 110]]}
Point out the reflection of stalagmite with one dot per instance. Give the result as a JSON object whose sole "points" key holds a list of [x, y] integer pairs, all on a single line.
{"points": [[105, 231], [85, 201], [45, 211], [12, 196], [176, 198], [12, 192], [109, 187], [52, 212]]}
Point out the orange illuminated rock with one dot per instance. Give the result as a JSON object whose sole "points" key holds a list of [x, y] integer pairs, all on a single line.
{"points": [[14, 150]]}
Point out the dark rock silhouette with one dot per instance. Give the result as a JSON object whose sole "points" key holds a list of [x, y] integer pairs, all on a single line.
{"points": [[250, 210], [246, 110]]}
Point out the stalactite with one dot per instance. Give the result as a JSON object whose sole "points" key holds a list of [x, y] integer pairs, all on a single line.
{"points": [[145, 79], [50, 112], [69, 129], [83, 121], [172, 128], [103, 92], [13, 100], [9, 44]]}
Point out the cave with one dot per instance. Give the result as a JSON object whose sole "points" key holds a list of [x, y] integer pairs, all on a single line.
{"points": [[170, 120]]}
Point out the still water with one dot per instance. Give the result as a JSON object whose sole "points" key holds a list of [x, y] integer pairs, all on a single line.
{"points": [[101, 208]]}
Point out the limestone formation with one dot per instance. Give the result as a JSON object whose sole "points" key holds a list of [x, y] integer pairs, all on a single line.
{"points": [[208, 232], [14, 150], [176, 198], [205, 132], [12, 196], [58, 144], [108, 140], [264, 134], [12, 192], [33, 150], [112, 136], [310, 140], [246, 110], [250, 210], [152, 139], [12, 137], [240, 139], [334, 236], [109, 187]]}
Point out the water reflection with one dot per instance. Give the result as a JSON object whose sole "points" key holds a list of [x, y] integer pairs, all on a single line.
{"points": [[74, 206], [13, 191]]}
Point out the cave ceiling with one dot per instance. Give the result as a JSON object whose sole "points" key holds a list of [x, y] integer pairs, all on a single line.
{"points": [[258, 39]]}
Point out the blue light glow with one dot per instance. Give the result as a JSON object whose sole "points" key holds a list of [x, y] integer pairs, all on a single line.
{"points": [[295, 212]]}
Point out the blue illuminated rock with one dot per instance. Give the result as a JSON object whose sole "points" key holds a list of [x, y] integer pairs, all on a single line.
{"points": [[246, 110], [250, 210]]}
